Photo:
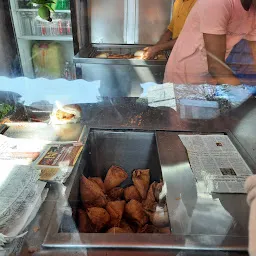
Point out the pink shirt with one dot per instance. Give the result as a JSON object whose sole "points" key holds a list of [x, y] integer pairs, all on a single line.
{"points": [[188, 62]]}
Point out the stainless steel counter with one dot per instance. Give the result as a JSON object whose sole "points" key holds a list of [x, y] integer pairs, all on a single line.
{"points": [[217, 222]]}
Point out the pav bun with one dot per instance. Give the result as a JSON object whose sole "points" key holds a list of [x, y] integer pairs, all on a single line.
{"points": [[139, 54], [103, 55], [67, 114]]}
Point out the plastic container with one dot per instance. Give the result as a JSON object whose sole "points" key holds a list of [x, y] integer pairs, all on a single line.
{"points": [[23, 4], [60, 25], [61, 5], [61, 30], [33, 23], [68, 25], [26, 24], [48, 60], [67, 71]]}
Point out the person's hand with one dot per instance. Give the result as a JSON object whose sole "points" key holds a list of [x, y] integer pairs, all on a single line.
{"points": [[150, 52]]}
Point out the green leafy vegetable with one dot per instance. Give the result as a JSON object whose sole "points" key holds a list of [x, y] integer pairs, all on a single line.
{"points": [[44, 12], [49, 7], [5, 109], [45, 8]]}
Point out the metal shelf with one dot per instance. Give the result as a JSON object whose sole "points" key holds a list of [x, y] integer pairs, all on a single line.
{"points": [[48, 38], [35, 10]]}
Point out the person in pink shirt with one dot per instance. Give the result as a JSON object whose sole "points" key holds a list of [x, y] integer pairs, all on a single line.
{"points": [[212, 29]]}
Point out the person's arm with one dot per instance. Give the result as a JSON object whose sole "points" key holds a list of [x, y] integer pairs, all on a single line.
{"points": [[167, 35], [151, 52], [163, 43], [167, 45], [214, 18], [253, 49], [215, 46]]}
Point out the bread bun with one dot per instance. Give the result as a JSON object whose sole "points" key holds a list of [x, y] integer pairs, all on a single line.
{"points": [[137, 58], [161, 57], [67, 114], [139, 54], [103, 55]]}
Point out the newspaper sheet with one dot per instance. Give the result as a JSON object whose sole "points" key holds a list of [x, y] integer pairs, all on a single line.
{"points": [[14, 149], [31, 203], [17, 182], [57, 161], [215, 161], [20, 196], [161, 95]]}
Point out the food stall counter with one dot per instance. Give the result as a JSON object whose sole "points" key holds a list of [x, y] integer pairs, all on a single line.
{"points": [[209, 221]]}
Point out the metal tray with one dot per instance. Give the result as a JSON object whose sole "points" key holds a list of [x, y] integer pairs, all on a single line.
{"points": [[129, 149], [199, 220], [88, 54], [118, 49]]}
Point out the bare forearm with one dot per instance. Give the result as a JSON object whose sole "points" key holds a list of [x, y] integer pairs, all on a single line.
{"points": [[231, 80], [224, 75], [215, 46], [166, 45], [253, 50], [165, 37]]}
